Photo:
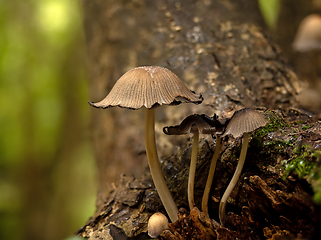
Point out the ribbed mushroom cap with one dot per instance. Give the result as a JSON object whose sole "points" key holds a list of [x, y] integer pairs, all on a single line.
{"points": [[148, 87], [243, 121], [195, 123]]}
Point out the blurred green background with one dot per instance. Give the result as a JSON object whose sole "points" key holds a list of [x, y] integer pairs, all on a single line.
{"points": [[47, 169]]}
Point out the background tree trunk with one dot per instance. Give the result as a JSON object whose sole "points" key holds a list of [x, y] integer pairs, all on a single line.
{"points": [[216, 47], [231, 63]]}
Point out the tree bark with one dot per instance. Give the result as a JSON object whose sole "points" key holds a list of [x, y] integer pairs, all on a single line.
{"points": [[219, 50]]}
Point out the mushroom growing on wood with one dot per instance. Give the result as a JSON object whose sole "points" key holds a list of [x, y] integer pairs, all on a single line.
{"points": [[157, 223], [195, 124], [209, 181], [242, 122], [150, 87]]}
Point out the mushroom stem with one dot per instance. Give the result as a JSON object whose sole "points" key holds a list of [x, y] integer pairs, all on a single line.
{"points": [[235, 177], [155, 167], [192, 169], [210, 177]]}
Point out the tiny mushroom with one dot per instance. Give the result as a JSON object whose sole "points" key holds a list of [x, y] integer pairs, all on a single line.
{"points": [[195, 124], [157, 223], [241, 123], [150, 87]]}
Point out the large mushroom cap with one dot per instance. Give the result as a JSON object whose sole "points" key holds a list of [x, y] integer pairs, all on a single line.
{"points": [[195, 123], [149, 87], [244, 121]]}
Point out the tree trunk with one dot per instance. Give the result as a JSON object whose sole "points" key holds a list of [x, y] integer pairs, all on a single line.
{"points": [[219, 50]]}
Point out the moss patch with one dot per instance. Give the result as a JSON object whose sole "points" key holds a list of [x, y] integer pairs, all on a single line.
{"points": [[275, 124], [267, 147], [301, 163], [305, 163]]}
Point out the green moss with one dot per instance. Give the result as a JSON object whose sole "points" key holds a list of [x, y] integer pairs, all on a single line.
{"points": [[262, 148], [279, 144], [299, 122], [301, 163], [269, 150], [305, 163], [305, 127], [315, 177], [275, 124]]}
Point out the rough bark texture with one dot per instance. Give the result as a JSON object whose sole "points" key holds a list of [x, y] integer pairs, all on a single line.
{"points": [[271, 199], [231, 62]]}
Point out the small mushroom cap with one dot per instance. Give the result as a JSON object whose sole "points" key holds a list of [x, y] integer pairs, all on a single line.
{"points": [[157, 223], [243, 121], [308, 36], [149, 87], [195, 123]]}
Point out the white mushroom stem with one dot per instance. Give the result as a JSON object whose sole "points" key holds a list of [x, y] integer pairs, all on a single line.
{"points": [[155, 167], [210, 177], [192, 169], [235, 177]]}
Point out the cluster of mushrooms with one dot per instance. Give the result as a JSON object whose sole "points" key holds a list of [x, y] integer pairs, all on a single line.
{"points": [[153, 86]]}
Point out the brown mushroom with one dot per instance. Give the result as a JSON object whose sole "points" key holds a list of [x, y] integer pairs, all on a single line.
{"points": [[150, 87], [242, 122], [195, 124]]}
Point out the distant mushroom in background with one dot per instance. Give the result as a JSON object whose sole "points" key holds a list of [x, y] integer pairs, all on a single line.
{"points": [[150, 87], [308, 40], [308, 36], [242, 122], [195, 124]]}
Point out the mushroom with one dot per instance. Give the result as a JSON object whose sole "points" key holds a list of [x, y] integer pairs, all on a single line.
{"points": [[157, 223], [150, 87], [195, 124], [242, 122], [308, 36], [308, 40], [210, 176]]}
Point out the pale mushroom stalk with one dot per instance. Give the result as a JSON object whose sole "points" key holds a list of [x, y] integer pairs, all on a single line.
{"points": [[210, 177], [155, 167], [235, 177], [192, 169]]}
